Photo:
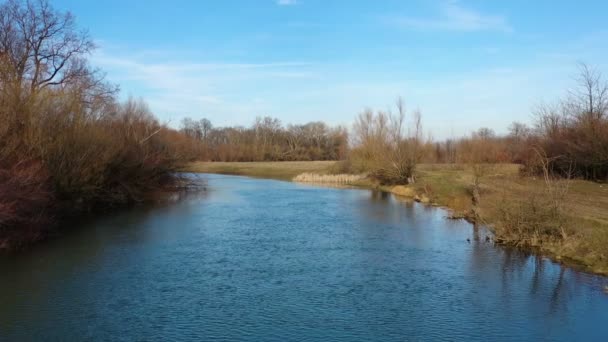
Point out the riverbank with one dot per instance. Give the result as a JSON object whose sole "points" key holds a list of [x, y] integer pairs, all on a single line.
{"points": [[64, 216], [448, 185]]}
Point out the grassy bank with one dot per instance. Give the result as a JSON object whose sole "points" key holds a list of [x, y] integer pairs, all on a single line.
{"points": [[449, 185], [585, 214]]}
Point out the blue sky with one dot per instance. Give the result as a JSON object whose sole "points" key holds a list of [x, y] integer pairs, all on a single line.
{"points": [[464, 64]]}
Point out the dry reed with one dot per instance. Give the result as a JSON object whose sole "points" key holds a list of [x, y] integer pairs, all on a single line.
{"points": [[328, 179]]}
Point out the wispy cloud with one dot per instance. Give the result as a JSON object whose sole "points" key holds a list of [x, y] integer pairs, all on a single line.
{"points": [[177, 89], [453, 16], [286, 2]]}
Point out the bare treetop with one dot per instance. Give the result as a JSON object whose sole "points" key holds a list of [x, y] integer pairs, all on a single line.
{"points": [[590, 98], [41, 46]]}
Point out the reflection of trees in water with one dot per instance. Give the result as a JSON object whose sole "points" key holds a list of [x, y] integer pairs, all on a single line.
{"points": [[377, 207], [391, 207], [520, 283], [476, 232], [559, 290], [543, 283], [540, 275], [87, 240], [379, 196], [383, 207], [483, 256], [539, 266], [514, 260], [182, 195]]}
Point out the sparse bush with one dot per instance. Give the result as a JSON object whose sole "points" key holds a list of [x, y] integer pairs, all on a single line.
{"points": [[539, 217], [383, 149], [531, 221]]}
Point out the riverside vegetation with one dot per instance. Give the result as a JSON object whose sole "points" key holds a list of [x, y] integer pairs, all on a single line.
{"points": [[67, 144]]}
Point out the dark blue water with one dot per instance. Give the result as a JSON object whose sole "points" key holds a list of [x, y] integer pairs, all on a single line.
{"points": [[263, 260]]}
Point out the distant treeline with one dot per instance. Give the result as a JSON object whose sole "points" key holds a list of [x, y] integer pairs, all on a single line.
{"points": [[568, 138], [266, 140], [573, 146]]}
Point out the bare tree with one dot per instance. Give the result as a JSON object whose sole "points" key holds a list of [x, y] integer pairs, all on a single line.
{"points": [[485, 133], [42, 46], [518, 130], [574, 131], [206, 127], [590, 98], [43, 56], [383, 146]]}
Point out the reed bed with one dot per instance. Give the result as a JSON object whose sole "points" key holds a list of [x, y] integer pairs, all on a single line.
{"points": [[328, 179]]}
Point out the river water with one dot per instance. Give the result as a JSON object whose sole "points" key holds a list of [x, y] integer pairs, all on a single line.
{"points": [[265, 260]]}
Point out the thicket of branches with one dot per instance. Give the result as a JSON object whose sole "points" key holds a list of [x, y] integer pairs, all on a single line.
{"points": [[266, 140], [574, 132], [571, 134], [386, 147], [65, 140], [484, 146]]}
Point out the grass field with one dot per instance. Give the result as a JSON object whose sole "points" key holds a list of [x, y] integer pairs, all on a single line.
{"points": [[449, 186]]}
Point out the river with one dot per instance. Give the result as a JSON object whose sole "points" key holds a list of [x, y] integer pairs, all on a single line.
{"points": [[264, 260]]}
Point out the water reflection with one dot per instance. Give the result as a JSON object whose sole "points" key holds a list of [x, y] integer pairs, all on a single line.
{"points": [[380, 196]]}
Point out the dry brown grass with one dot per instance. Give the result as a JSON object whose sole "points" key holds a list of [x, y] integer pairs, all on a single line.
{"points": [[276, 170], [583, 216], [308, 177], [578, 232]]}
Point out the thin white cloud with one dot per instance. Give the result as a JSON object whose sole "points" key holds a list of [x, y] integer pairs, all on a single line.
{"points": [[176, 89], [295, 92], [286, 2], [453, 16]]}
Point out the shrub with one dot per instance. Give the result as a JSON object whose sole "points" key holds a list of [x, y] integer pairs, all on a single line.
{"points": [[25, 200], [531, 221], [65, 141], [383, 149], [540, 216]]}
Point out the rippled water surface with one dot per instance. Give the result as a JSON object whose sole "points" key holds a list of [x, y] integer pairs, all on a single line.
{"points": [[267, 260]]}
